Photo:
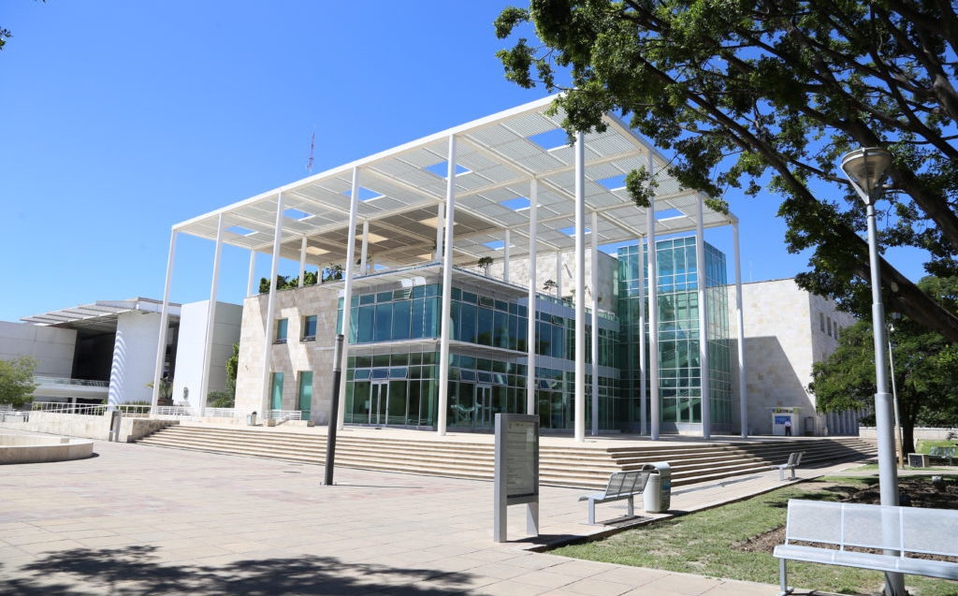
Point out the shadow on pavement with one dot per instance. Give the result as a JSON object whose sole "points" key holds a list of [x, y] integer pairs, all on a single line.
{"points": [[135, 571]]}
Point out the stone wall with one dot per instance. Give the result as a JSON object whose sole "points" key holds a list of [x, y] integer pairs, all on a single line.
{"points": [[252, 388], [88, 427], [784, 336]]}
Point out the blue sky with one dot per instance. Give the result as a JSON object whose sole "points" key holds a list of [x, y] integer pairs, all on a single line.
{"points": [[122, 118]]}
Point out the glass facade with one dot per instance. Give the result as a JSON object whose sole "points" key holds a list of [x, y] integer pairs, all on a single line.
{"points": [[392, 372], [680, 371], [488, 372]]}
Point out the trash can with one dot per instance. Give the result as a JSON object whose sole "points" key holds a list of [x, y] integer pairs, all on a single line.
{"points": [[658, 490], [251, 419]]}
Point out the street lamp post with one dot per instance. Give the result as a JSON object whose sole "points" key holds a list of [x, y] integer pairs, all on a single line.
{"points": [[866, 169]]}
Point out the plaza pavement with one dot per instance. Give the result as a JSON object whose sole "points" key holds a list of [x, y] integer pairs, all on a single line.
{"points": [[140, 520]]}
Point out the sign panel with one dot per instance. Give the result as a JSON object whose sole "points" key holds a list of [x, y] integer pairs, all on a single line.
{"points": [[517, 469], [521, 445]]}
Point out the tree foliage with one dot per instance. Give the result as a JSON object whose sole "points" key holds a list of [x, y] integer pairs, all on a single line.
{"points": [[769, 94], [227, 397], [311, 278], [16, 380], [925, 366]]}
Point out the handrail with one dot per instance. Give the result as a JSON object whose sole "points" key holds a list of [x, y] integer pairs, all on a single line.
{"points": [[145, 410], [44, 380]]}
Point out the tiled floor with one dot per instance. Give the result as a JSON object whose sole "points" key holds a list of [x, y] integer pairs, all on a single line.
{"points": [[138, 520]]}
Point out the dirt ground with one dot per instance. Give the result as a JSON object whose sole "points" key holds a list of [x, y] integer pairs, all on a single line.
{"points": [[915, 491]]}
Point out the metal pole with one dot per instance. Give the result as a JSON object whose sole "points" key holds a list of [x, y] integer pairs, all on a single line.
{"points": [[884, 418], [334, 410], [899, 437]]}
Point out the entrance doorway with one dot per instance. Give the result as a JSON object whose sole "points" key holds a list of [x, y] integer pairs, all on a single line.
{"points": [[484, 414], [379, 402]]}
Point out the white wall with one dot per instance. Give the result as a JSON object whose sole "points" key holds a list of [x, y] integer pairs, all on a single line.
{"points": [[134, 357], [783, 338], [51, 346], [189, 352]]}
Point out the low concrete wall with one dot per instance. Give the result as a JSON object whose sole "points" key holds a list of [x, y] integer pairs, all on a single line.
{"points": [[923, 433], [133, 429], [72, 425], [88, 427], [32, 449]]}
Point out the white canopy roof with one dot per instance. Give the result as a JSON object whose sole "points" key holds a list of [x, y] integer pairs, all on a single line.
{"points": [[99, 317], [497, 157]]}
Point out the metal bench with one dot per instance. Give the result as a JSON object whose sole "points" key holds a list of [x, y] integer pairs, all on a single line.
{"points": [[794, 460], [622, 485], [942, 453], [841, 533]]}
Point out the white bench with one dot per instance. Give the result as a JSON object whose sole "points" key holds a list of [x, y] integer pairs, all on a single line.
{"points": [[622, 485], [942, 453], [826, 532], [794, 460]]}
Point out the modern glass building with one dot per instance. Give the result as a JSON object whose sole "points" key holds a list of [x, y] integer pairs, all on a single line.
{"points": [[392, 372], [679, 379], [476, 279]]}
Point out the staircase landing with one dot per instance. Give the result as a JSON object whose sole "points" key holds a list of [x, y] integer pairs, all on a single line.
{"points": [[562, 461]]}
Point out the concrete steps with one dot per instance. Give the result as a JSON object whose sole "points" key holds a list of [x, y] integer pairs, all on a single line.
{"points": [[573, 466]]}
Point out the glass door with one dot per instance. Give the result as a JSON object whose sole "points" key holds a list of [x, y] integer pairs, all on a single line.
{"points": [[483, 409], [378, 402]]}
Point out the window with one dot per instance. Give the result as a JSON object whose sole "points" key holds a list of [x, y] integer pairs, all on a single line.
{"points": [[276, 396], [829, 326], [282, 326], [821, 320], [305, 392], [309, 328]]}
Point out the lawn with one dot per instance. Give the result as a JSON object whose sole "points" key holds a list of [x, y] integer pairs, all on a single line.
{"points": [[735, 541]]}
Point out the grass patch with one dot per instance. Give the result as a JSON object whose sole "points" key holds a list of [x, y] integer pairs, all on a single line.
{"points": [[715, 543], [924, 445]]}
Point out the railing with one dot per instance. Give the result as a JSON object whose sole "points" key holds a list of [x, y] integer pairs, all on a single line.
{"points": [[40, 380], [222, 413], [284, 415], [144, 410], [59, 407]]}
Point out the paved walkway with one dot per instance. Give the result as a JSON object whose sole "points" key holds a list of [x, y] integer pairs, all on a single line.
{"points": [[138, 520]]}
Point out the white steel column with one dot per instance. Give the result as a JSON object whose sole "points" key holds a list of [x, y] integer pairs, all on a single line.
{"points": [[594, 271], [643, 368], [271, 308], [440, 229], [444, 357], [211, 317], [302, 263], [740, 319], [348, 291], [558, 278], [579, 287], [704, 369], [654, 401], [252, 273], [506, 254], [531, 310], [364, 254], [164, 323]]}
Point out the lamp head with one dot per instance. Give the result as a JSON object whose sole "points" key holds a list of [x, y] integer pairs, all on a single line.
{"points": [[866, 168]]}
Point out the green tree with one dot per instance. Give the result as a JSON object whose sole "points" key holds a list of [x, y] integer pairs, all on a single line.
{"points": [[227, 397], [16, 380], [926, 365], [768, 95]]}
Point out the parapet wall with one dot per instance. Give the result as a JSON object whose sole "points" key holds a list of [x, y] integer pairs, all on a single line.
{"points": [[88, 427], [33, 449]]}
